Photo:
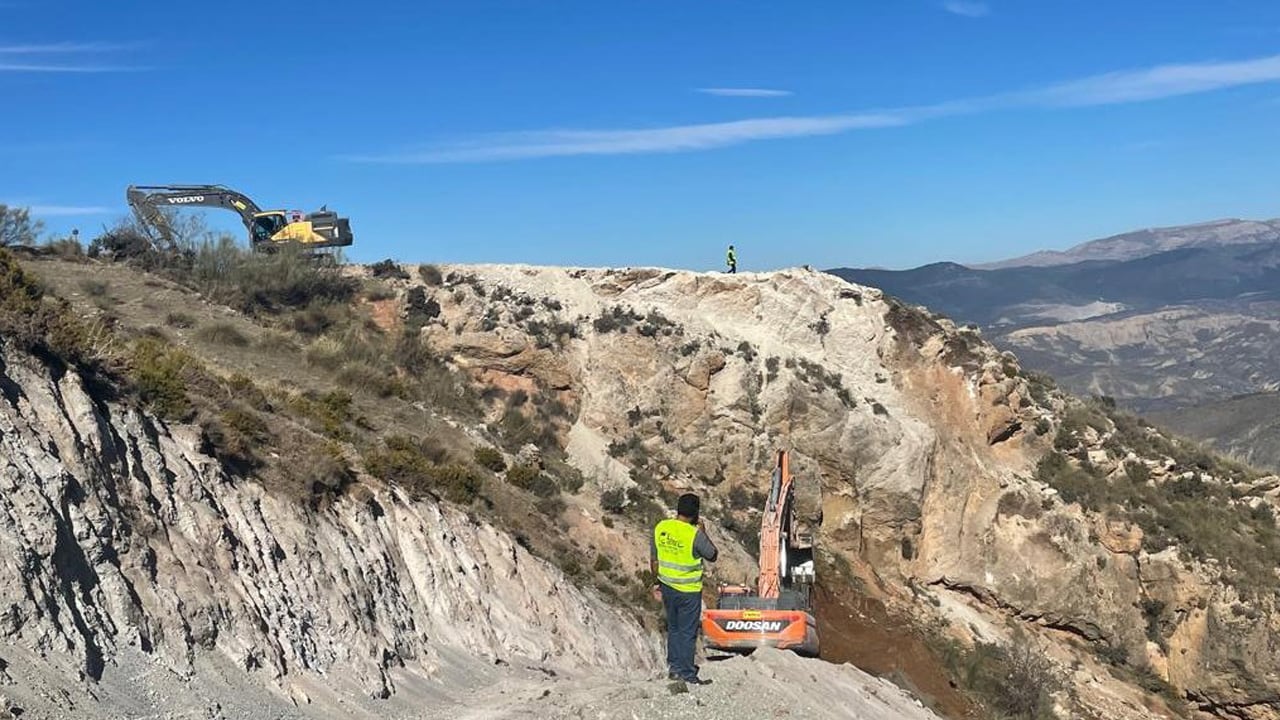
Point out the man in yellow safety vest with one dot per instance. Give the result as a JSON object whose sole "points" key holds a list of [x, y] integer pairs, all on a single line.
{"points": [[676, 553]]}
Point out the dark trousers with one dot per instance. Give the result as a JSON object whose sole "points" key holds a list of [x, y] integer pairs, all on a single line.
{"points": [[684, 615], [733, 268]]}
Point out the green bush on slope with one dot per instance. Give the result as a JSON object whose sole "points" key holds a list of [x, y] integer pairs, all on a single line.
{"points": [[1204, 518]]}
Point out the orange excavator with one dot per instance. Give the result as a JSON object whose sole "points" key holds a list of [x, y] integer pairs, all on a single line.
{"points": [[778, 612]]}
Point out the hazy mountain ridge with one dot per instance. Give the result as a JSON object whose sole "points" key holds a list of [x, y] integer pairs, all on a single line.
{"points": [[1149, 241]]}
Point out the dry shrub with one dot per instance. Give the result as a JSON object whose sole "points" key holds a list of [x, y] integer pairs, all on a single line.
{"points": [[222, 334], [418, 466]]}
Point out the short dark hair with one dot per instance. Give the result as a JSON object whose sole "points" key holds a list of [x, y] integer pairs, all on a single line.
{"points": [[688, 506]]}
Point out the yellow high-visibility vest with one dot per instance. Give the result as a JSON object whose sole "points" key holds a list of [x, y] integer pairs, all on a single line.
{"points": [[678, 569]]}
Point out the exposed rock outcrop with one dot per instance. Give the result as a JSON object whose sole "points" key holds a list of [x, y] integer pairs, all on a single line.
{"points": [[924, 439], [121, 535]]}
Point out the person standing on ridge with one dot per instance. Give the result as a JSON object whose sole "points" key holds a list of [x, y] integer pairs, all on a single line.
{"points": [[732, 260], [676, 552]]}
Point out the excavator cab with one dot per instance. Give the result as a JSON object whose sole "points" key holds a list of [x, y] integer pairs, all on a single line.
{"points": [[318, 229], [266, 225]]}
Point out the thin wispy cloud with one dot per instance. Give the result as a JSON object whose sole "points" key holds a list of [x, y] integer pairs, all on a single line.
{"points": [[23, 67], [63, 47], [744, 92], [56, 57], [68, 210], [679, 138], [967, 8], [1164, 81], [1161, 81]]}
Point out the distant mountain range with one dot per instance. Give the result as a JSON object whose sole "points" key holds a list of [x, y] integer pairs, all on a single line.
{"points": [[1134, 245], [1165, 320], [1029, 295]]}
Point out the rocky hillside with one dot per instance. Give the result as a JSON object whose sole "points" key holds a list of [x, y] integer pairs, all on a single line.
{"points": [[1160, 320], [974, 523], [1245, 426], [923, 438], [124, 537], [1181, 356]]}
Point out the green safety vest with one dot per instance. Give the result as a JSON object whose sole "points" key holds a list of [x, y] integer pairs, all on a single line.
{"points": [[678, 569], [731, 258]]}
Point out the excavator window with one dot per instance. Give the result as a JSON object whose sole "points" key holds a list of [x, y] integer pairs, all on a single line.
{"points": [[264, 226]]}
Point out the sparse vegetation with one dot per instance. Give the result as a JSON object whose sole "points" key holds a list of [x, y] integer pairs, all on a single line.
{"points": [[179, 320], [632, 449], [771, 368], [551, 334], [616, 319], [258, 283], [236, 436], [1015, 681], [17, 227], [1152, 610], [614, 500], [519, 428], [419, 466], [160, 374], [67, 248], [222, 333], [375, 291], [430, 275], [47, 326], [1203, 519], [329, 413], [490, 459], [822, 325], [94, 288], [388, 269], [552, 506], [1017, 503]]}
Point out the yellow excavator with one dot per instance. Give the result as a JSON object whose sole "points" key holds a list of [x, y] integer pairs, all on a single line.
{"points": [[268, 229], [778, 611]]}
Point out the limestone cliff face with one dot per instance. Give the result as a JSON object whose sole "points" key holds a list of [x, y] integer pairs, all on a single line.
{"points": [[923, 438], [712, 374], [121, 535]]}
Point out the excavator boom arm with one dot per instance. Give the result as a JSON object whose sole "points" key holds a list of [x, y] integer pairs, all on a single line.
{"points": [[147, 201], [774, 526]]}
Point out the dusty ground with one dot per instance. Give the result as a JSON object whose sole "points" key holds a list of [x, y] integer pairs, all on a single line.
{"points": [[769, 684]]}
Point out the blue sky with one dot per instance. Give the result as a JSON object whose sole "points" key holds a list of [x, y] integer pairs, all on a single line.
{"points": [[655, 133]]}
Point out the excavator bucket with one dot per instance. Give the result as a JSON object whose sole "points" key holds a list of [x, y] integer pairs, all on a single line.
{"points": [[746, 630]]}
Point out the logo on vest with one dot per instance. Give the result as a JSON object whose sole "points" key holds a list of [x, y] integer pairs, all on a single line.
{"points": [[666, 542]]}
